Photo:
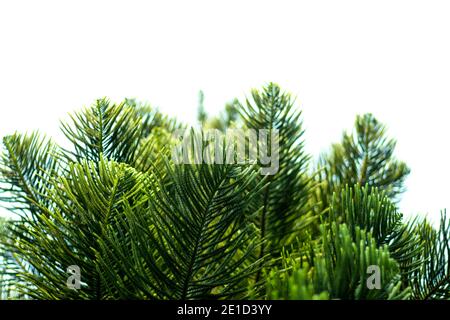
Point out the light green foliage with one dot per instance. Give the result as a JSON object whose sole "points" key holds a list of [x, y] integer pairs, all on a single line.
{"points": [[339, 270], [9, 266], [363, 229], [294, 284], [342, 269], [373, 211], [225, 120]]}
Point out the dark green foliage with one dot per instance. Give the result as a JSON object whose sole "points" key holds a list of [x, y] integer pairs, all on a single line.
{"points": [[432, 279], [113, 131], [84, 203], [285, 198], [26, 166], [140, 226], [189, 242], [364, 157]]}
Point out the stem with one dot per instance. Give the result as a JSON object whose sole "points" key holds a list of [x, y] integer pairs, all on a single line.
{"points": [[263, 229]]}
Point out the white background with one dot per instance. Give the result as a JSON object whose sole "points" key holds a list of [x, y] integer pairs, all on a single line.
{"points": [[339, 58]]}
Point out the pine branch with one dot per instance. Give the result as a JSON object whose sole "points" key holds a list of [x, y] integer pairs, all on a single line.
{"points": [[286, 207], [364, 157], [192, 240], [104, 130], [26, 166]]}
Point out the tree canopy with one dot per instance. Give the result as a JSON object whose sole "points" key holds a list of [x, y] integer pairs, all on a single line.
{"points": [[138, 225]]}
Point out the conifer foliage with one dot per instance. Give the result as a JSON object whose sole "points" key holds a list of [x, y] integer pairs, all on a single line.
{"points": [[138, 225]]}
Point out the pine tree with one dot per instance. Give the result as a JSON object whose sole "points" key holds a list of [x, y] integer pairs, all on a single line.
{"points": [[364, 157], [140, 226]]}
